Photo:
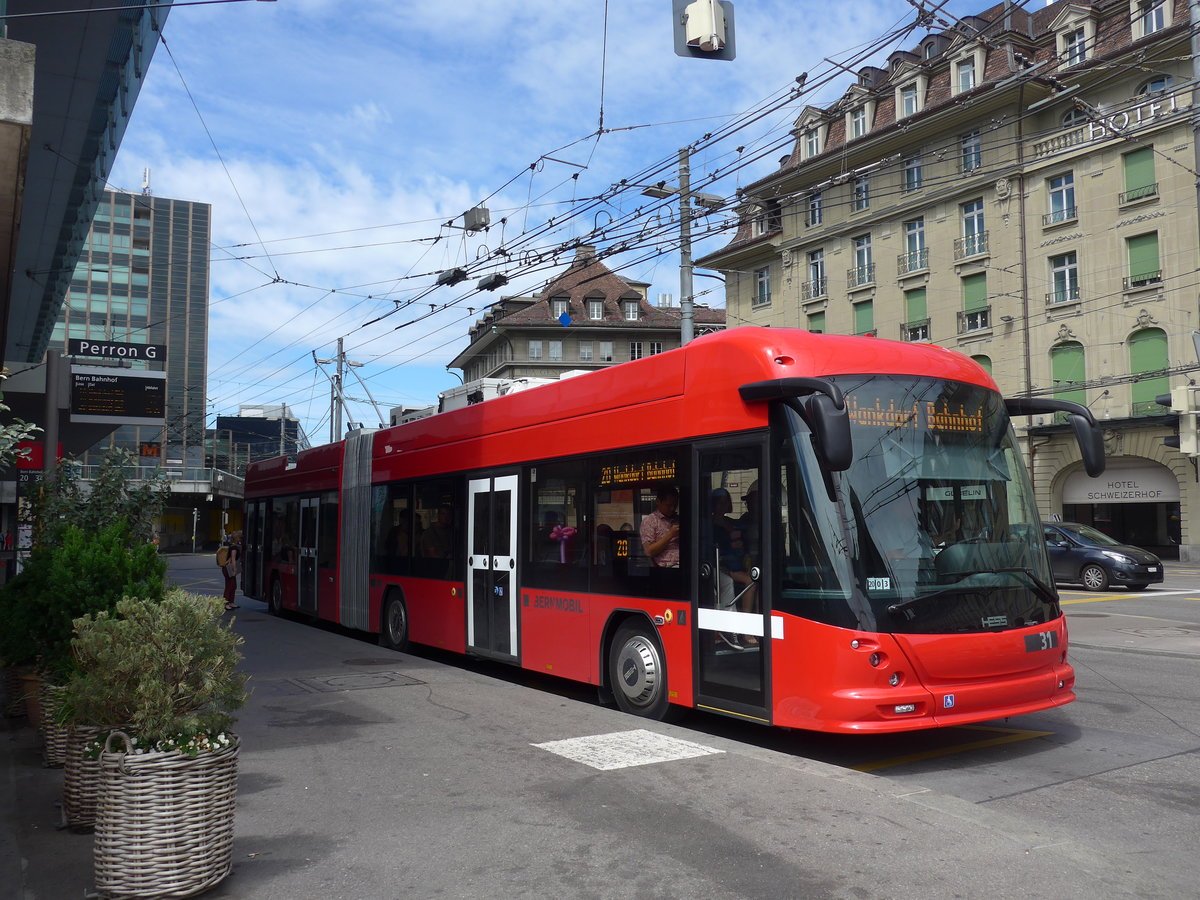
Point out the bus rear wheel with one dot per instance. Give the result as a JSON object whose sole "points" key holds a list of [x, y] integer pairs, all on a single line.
{"points": [[637, 672], [393, 624], [275, 603]]}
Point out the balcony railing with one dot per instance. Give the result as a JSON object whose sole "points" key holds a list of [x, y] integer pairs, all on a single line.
{"points": [[816, 287], [1143, 279], [860, 275], [912, 261], [974, 320], [970, 245], [1063, 295], [1140, 193], [916, 330], [1069, 214]]}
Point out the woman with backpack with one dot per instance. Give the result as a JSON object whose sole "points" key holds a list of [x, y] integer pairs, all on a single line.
{"points": [[229, 556]]}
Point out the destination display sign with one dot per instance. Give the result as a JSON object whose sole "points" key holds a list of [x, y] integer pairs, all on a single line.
{"points": [[637, 472], [117, 396], [924, 415], [116, 350]]}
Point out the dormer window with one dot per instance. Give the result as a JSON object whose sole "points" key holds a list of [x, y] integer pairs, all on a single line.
{"points": [[908, 100], [1074, 34], [910, 95], [966, 68], [964, 75], [812, 143], [595, 310], [859, 118], [858, 122], [1074, 47], [559, 307], [1150, 16], [632, 310]]}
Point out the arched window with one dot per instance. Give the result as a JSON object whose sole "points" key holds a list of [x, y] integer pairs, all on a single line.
{"points": [[1156, 84], [1074, 117], [1068, 370], [985, 363], [1148, 356]]}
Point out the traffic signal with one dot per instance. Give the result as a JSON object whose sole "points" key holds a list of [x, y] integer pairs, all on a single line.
{"points": [[1181, 401], [703, 29]]}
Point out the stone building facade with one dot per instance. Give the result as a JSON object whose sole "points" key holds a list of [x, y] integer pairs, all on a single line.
{"points": [[1019, 187]]}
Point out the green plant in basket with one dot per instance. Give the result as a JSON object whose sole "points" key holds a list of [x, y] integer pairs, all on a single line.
{"points": [[163, 672], [85, 572]]}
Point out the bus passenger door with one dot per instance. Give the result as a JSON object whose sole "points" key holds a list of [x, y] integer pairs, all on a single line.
{"points": [[252, 545], [732, 615], [306, 571], [492, 567]]}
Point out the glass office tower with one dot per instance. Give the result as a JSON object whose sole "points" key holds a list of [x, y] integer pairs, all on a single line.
{"points": [[143, 278]]}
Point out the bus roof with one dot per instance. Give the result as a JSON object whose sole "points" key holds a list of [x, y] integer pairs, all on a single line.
{"points": [[684, 393]]}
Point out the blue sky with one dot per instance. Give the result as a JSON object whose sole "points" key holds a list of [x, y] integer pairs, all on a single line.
{"points": [[335, 140]]}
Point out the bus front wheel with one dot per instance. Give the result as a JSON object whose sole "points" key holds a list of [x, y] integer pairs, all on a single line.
{"points": [[393, 626], [637, 672]]}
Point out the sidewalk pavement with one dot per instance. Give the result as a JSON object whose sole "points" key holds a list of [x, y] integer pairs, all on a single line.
{"points": [[371, 774]]}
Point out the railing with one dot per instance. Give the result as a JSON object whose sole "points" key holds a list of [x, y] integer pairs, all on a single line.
{"points": [[1140, 193], [1067, 214], [860, 275], [970, 245], [1063, 295], [912, 261], [975, 320], [1061, 142], [174, 475], [1145, 278], [816, 287]]}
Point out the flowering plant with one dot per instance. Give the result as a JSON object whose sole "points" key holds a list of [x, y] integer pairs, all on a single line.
{"points": [[163, 672], [562, 534], [186, 746]]}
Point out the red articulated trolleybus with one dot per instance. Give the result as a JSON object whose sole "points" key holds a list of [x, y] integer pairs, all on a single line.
{"points": [[857, 545]]}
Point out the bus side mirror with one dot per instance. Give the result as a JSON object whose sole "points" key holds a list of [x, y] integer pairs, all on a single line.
{"points": [[831, 431], [1083, 423], [1091, 444]]}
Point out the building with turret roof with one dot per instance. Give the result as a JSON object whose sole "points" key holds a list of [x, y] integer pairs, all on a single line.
{"points": [[587, 318]]}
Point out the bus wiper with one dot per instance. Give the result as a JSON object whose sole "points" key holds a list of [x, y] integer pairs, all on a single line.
{"points": [[895, 608], [1043, 590]]}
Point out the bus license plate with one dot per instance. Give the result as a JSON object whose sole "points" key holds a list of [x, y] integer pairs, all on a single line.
{"points": [[1043, 640]]}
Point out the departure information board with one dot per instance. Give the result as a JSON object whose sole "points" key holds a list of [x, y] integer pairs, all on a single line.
{"points": [[118, 396]]}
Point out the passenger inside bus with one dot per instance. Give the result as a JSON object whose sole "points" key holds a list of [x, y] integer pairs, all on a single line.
{"points": [[437, 541], [660, 530]]}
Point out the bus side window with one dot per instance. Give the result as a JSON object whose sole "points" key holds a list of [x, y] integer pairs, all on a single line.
{"points": [[559, 546], [393, 538], [437, 544]]}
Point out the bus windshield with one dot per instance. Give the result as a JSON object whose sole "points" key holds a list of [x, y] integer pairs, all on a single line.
{"points": [[939, 525]]}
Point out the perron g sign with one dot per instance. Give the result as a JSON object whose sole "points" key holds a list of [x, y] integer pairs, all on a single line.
{"points": [[118, 396]]}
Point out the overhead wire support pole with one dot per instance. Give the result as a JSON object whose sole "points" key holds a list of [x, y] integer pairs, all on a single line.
{"points": [[686, 323]]}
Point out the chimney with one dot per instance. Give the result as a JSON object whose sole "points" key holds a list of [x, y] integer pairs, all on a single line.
{"points": [[584, 254]]}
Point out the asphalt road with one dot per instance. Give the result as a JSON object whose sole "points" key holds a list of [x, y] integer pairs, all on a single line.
{"points": [[371, 774]]}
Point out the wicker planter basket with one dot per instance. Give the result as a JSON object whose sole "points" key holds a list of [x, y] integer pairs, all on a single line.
{"points": [[81, 780], [54, 733], [164, 827], [13, 703]]}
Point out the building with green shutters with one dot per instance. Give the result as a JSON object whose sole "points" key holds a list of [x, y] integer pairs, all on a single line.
{"points": [[1019, 187]]}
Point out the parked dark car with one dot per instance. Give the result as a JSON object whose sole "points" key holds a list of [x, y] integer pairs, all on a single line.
{"points": [[1081, 554]]}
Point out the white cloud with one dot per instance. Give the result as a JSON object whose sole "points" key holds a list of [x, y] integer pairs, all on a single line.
{"points": [[353, 131]]}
